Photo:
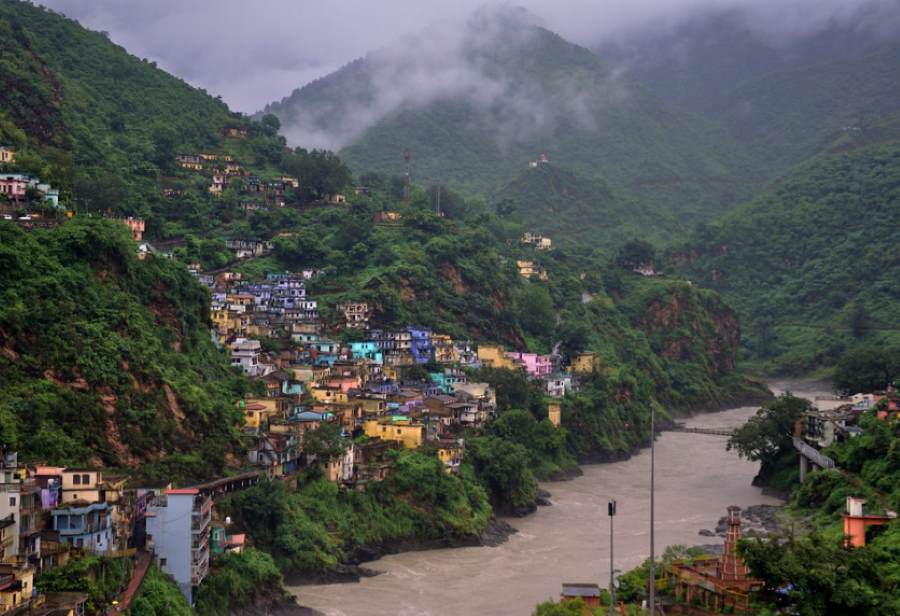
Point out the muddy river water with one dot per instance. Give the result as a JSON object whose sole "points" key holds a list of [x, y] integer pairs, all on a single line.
{"points": [[696, 479]]}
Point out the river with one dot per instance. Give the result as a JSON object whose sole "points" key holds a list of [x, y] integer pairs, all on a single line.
{"points": [[696, 479]]}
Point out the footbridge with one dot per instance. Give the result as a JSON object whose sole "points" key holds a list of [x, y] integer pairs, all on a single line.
{"points": [[810, 458], [697, 430]]}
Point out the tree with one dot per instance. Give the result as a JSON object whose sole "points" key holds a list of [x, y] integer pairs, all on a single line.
{"points": [[325, 443], [769, 432], [271, 123], [502, 467], [815, 575], [636, 253], [568, 607], [536, 312], [867, 369]]}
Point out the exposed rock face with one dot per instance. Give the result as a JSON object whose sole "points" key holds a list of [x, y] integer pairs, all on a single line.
{"points": [[685, 324]]}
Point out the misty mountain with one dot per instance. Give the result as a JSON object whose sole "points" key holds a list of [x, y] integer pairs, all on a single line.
{"points": [[784, 96], [475, 104], [810, 264]]}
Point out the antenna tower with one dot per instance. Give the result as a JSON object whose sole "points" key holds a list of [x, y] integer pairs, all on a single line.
{"points": [[407, 157]]}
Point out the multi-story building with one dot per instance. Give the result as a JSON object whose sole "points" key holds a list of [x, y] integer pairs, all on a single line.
{"points": [[356, 314], [84, 525], [178, 523], [420, 345]]}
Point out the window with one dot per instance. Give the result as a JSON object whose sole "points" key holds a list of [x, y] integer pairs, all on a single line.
{"points": [[162, 562], [85, 479], [12, 501], [76, 480]]}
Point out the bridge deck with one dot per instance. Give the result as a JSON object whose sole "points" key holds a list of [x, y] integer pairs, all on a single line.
{"points": [[712, 431]]}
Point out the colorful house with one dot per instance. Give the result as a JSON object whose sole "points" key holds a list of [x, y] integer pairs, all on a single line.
{"points": [[7, 155], [536, 366], [398, 428], [494, 356], [554, 414], [420, 345], [583, 363], [84, 525], [15, 185], [448, 380], [366, 350]]}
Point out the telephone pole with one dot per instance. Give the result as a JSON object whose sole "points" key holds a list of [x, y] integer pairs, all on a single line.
{"points": [[612, 568], [651, 603]]}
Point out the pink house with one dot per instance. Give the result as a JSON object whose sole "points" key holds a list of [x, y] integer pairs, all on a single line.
{"points": [[344, 383], [537, 366], [14, 186]]}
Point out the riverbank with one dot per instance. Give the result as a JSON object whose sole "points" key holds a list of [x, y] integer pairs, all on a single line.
{"points": [[697, 479], [497, 532], [352, 567]]}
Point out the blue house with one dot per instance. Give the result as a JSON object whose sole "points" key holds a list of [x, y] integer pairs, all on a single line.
{"points": [[448, 380], [366, 350], [84, 525], [420, 345]]}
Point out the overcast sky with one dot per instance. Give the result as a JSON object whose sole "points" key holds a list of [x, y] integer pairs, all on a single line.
{"points": [[252, 53]]}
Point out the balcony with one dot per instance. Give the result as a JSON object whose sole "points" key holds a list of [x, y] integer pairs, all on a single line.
{"points": [[199, 524]]}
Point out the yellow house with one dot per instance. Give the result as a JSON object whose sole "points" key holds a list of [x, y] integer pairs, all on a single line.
{"points": [[259, 410], [444, 350], [19, 591], [7, 154], [494, 356], [405, 432], [220, 318], [554, 414], [371, 405], [451, 456], [583, 363], [329, 395], [81, 485]]}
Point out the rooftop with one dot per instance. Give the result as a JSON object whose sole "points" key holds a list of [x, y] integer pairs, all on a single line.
{"points": [[580, 589]]}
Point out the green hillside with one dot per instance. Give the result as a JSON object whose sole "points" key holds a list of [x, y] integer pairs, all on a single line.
{"points": [[576, 210], [811, 264], [105, 127], [536, 93], [106, 360], [459, 276]]}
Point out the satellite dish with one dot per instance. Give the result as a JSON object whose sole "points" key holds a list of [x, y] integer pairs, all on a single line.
{"points": [[228, 520]]}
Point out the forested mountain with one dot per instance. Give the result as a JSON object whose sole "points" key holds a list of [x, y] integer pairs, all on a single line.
{"points": [[476, 109], [784, 93], [106, 127], [107, 360], [811, 265]]}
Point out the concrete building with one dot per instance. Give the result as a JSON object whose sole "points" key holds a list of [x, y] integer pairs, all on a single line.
{"points": [[84, 525], [178, 524]]}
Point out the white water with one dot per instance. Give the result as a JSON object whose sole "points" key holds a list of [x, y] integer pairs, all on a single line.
{"points": [[696, 479]]}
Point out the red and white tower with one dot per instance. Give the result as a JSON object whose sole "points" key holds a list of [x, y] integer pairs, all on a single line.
{"points": [[731, 566]]}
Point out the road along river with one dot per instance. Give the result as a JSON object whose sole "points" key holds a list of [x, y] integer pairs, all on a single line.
{"points": [[696, 479]]}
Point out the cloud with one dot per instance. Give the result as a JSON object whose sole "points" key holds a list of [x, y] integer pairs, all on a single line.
{"points": [[253, 53], [483, 60]]}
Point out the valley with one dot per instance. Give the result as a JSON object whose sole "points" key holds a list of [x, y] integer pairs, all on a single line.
{"points": [[244, 356]]}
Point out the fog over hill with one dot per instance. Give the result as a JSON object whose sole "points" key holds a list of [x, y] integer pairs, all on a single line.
{"points": [[301, 41]]}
